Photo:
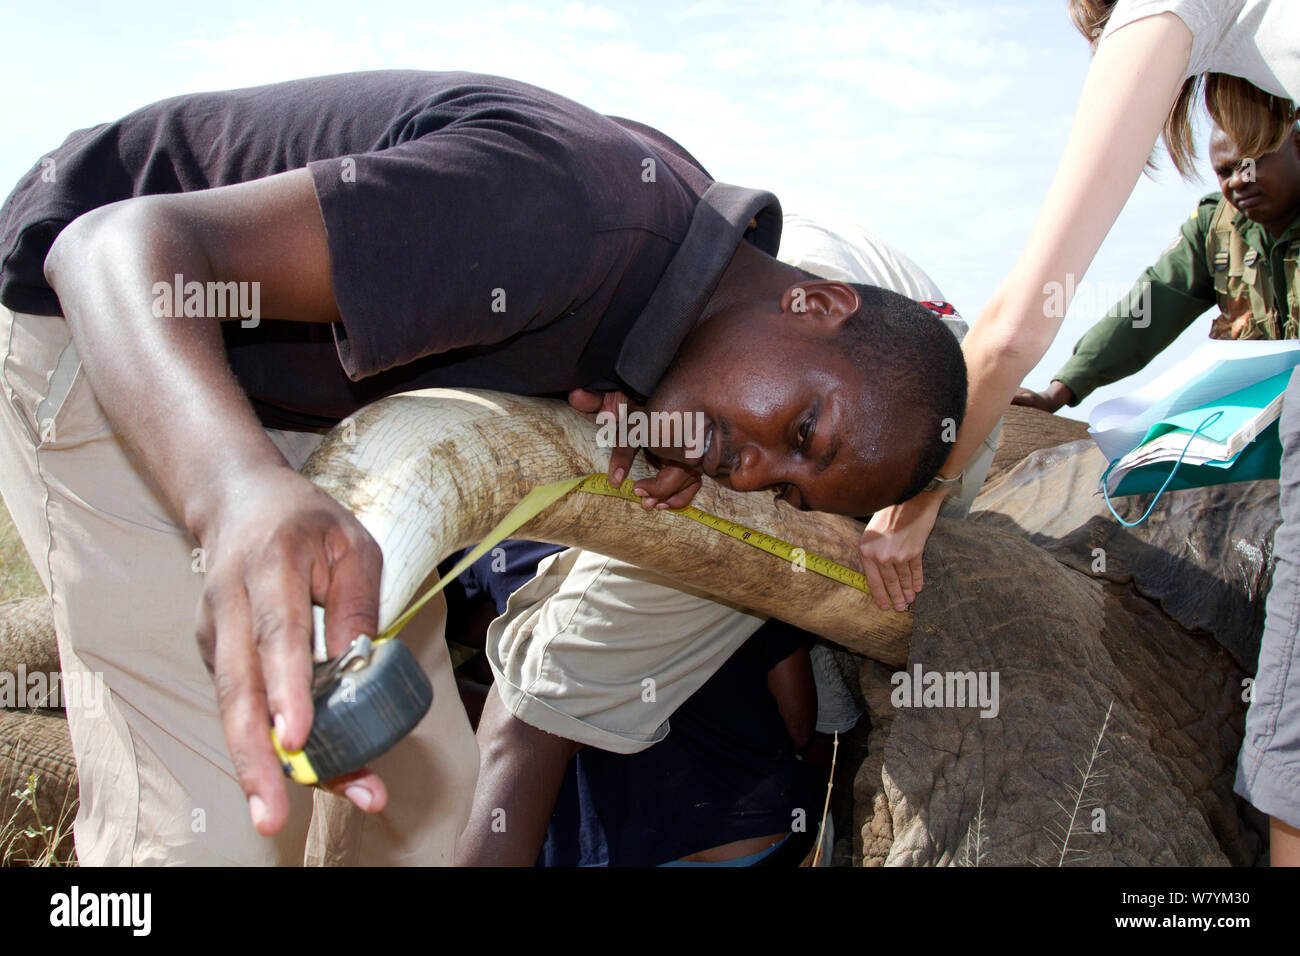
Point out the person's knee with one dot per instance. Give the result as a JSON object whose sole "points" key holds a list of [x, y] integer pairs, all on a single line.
{"points": [[504, 737]]}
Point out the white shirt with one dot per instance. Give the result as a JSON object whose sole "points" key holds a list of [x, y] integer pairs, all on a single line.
{"points": [[1258, 40], [846, 251]]}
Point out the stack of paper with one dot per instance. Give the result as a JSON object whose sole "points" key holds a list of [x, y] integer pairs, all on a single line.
{"points": [[1230, 391]]}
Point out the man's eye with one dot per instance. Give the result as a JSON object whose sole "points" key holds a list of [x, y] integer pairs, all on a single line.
{"points": [[806, 433]]}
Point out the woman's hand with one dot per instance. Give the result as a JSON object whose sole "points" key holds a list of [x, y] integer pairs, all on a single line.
{"points": [[892, 545]]}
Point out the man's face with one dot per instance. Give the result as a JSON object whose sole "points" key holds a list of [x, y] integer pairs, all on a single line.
{"points": [[1267, 191], [782, 409]]}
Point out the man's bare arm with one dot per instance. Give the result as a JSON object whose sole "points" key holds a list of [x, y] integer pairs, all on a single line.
{"points": [[274, 543]]}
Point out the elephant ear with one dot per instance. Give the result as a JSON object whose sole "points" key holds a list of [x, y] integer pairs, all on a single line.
{"points": [[1204, 555]]}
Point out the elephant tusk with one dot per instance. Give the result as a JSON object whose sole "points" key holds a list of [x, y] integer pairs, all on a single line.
{"points": [[430, 472]]}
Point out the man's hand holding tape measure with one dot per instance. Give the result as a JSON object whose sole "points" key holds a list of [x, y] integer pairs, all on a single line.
{"points": [[274, 544]]}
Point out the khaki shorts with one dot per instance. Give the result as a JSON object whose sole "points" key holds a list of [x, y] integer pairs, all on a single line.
{"points": [[602, 652], [156, 782]]}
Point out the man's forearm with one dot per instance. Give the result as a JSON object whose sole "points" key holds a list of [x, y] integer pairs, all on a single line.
{"points": [[163, 382], [276, 544]]}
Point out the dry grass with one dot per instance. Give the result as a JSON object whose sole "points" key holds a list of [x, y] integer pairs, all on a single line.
{"points": [[33, 832], [18, 578], [1080, 803], [1076, 809], [826, 809], [972, 853]]}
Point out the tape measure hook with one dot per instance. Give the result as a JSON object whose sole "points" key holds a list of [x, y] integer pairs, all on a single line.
{"points": [[354, 658]]}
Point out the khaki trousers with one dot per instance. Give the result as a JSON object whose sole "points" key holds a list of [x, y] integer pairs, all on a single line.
{"points": [[156, 782]]}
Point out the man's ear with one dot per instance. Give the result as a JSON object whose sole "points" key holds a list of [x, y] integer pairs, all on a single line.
{"points": [[823, 300]]}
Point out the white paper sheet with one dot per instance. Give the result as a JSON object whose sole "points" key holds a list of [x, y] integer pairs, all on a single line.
{"points": [[1216, 369]]}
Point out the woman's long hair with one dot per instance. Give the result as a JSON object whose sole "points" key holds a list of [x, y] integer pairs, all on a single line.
{"points": [[1258, 123]]}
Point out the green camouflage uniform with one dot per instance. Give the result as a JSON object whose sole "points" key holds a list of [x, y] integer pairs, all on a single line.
{"points": [[1220, 258]]}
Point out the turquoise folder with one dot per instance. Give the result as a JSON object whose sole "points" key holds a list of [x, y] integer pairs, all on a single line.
{"points": [[1262, 458]]}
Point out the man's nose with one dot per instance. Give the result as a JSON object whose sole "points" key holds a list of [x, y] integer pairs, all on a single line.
{"points": [[754, 469], [1243, 174]]}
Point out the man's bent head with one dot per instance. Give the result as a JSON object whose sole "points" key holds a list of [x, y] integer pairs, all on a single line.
{"points": [[1265, 188], [841, 398]]}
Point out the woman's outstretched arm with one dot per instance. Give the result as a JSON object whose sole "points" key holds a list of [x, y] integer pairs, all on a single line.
{"points": [[1131, 86]]}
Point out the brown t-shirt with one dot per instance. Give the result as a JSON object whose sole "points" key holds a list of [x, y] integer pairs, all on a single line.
{"points": [[482, 232]]}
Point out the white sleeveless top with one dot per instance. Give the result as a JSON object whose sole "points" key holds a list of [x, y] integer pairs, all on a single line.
{"points": [[1258, 40]]}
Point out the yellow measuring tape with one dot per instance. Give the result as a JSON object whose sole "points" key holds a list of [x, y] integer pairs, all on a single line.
{"points": [[539, 499], [543, 496]]}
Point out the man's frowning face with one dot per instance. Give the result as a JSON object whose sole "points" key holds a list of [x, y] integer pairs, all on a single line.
{"points": [[1266, 189]]}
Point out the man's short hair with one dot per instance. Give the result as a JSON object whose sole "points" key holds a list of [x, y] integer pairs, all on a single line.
{"points": [[908, 352]]}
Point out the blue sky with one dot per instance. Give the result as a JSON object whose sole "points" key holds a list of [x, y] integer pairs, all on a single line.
{"points": [[936, 124]]}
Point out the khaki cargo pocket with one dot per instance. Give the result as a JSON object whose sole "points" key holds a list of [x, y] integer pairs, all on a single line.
{"points": [[39, 370]]}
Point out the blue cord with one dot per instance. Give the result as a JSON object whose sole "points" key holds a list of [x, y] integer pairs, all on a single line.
{"points": [[1214, 417]]}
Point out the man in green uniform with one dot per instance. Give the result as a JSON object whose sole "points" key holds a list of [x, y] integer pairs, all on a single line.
{"points": [[1237, 251]]}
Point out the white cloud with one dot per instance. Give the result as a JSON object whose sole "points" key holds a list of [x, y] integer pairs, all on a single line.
{"points": [[587, 17]]}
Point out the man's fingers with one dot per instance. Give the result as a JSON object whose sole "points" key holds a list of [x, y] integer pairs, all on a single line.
{"points": [[363, 788], [918, 578], [241, 695], [289, 545], [585, 400], [279, 598], [672, 487], [683, 497], [620, 462], [1038, 400], [612, 402], [351, 599], [616, 403]]}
